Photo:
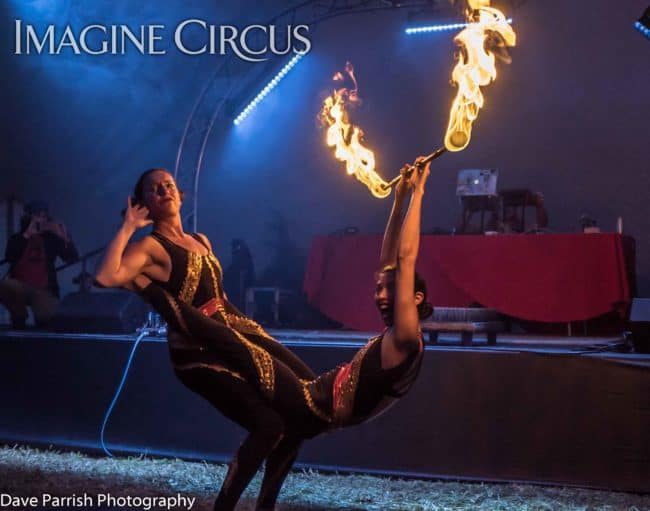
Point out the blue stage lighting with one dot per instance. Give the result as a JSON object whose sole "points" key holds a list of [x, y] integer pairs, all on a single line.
{"points": [[439, 28], [267, 88], [643, 24]]}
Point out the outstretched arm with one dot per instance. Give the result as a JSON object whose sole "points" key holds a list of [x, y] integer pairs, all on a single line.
{"points": [[389, 245], [406, 322], [121, 264]]}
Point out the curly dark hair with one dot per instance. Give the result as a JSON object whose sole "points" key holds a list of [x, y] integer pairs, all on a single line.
{"points": [[425, 309]]}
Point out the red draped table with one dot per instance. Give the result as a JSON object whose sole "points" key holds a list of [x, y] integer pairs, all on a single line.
{"points": [[543, 277]]}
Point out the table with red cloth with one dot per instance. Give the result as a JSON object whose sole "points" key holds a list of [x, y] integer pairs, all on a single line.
{"points": [[535, 277]]}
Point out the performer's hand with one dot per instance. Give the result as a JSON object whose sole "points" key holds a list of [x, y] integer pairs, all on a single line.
{"points": [[402, 186], [420, 175], [34, 227], [136, 216]]}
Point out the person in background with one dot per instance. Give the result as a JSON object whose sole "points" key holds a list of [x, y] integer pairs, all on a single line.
{"points": [[31, 254], [240, 274]]}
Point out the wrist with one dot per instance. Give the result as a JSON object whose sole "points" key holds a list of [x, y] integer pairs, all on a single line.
{"points": [[128, 229]]}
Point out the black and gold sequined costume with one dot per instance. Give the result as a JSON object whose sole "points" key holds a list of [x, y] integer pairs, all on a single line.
{"points": [[346, 395], [195, 282], [306, 405], [361, 389]]}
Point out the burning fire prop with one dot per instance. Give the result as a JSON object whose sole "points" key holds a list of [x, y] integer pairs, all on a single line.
{"points": [[346, 137], [487, 31], [485, 37]]}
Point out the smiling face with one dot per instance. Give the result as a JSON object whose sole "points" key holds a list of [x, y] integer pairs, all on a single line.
{"points": [[385, 295], [160, 195]]}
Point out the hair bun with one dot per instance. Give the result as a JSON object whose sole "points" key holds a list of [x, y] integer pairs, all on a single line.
{"points": [[425, 309]]}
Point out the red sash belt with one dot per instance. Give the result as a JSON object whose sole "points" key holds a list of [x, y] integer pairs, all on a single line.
{"points": [[341, 377], [211, 306]]}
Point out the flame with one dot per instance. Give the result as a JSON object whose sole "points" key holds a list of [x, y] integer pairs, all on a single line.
{"points": [[475, 68], [346, 137]]}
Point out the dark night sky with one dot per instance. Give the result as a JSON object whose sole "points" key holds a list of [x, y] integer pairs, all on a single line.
{"points": [[569, 117]]}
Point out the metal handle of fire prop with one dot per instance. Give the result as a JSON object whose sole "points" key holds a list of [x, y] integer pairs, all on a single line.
{"points": [[435, 154]]}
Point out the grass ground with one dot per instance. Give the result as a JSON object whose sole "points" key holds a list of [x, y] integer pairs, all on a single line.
{"points": [[30, 472]]}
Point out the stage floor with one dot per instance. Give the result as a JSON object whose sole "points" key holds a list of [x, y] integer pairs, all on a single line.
{"points": [[606, 346], [551, 410]]}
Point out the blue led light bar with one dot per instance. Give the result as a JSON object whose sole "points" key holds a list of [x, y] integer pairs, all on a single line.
{"points": [[268, 88], [642, 28], [439, 28]]}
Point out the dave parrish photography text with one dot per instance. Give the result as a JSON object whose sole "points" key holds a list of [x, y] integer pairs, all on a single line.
{"points": [[99, 501]]}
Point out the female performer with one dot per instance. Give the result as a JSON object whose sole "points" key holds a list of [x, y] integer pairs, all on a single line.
{"points": [[184, 266], [378, 374]]}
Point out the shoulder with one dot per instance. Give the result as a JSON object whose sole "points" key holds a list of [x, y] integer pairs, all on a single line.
{"points": [[205, 240], [378, 340]]}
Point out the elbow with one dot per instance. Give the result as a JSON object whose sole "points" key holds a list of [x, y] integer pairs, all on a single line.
{"points": [[408, 249], [103, 280], [406, 257]]}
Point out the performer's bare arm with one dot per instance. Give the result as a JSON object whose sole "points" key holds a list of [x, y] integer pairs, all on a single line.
{"points": [[122, 263], [406, 325], [390, 242]]}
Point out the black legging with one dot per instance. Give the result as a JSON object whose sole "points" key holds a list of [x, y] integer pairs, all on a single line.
{"points": [[240, 402]]}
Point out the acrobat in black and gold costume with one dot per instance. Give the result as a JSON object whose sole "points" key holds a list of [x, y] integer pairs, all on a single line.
{"points": [[252, 379], [196, 282]]}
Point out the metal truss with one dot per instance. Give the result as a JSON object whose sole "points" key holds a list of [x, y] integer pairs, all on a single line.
{"points": [[234, 80]]}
